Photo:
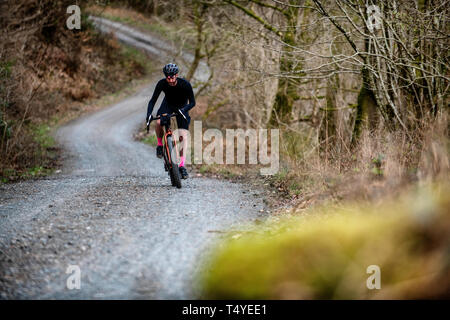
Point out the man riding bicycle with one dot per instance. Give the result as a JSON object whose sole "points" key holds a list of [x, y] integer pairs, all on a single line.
{"points": [[178, 96]]}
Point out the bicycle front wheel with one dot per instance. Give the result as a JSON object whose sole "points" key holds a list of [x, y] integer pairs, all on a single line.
{"points": [[175, 176]]}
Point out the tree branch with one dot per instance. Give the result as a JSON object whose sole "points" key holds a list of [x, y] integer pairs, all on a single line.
{"points": [[252, 14]]}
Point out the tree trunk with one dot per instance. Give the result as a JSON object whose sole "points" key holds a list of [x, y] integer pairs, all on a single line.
{"points": [[365, 109], [327, 132], [199, 22], [287, 88]]}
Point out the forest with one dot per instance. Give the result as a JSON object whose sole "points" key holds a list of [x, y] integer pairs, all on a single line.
{"points": [[358, 89]]}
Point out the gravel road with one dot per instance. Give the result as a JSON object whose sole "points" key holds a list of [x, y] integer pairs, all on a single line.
{"points": [[113, 212], [152, 44]]}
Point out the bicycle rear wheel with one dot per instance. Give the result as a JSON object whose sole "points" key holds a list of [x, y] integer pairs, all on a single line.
{"points": [[174, 171]]}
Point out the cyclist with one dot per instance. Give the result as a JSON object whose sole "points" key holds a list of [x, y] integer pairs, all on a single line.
{"points": [[178, 95]]}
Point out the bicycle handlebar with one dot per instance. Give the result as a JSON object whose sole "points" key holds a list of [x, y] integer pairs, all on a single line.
{"points": [[150, 119]]}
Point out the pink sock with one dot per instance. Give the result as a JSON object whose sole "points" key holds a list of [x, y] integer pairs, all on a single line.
{"points": [[159, 141], [182, 158]]}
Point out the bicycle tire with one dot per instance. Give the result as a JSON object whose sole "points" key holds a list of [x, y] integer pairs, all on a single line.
{"points": [[174, 171], [167, 166], [172, 180]]}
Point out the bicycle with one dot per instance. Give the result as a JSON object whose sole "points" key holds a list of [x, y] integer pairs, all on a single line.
{"points": [[170, 151]]}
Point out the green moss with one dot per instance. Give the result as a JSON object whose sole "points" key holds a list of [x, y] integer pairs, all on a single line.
{"points": [[326, 254], [6, 174], [377, 165], [6, 68], [34, 172], [37, 172], [42, 135]]}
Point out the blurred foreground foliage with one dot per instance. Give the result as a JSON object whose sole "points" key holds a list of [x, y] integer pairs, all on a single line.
{"points": [[324, 252]]}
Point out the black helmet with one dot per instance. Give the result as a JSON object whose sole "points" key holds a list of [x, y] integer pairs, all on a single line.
{"points": [[170, 69]]}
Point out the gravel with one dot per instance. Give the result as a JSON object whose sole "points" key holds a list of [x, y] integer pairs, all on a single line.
{"points": [[113, 212]]}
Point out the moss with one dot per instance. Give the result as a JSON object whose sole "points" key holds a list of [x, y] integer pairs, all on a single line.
{"points": [[325, 254], [37, 172], [42, 135]]}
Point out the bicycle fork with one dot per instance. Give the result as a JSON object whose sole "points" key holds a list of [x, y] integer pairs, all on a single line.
{"points": [[169, 133]]}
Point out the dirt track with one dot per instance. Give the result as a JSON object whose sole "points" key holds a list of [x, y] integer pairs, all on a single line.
{"points": [[113, 212]]}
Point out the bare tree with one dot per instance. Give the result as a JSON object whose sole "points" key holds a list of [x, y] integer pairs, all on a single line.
{"points": [[399, 50], [286, 93], [402, 54]]}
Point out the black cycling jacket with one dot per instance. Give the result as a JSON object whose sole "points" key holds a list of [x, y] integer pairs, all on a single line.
{"points": [[177, 97]]}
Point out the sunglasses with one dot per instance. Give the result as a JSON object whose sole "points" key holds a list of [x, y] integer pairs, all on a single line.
{"points": [[171, 77]]}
